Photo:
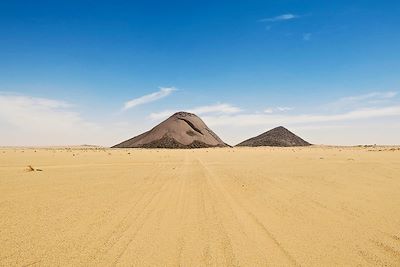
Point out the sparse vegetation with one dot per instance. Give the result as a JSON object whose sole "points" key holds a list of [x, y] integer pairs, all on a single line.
{"points": [[31, 169]]}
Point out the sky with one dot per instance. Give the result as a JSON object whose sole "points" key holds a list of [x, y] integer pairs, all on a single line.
{"points": [[99, 72]]}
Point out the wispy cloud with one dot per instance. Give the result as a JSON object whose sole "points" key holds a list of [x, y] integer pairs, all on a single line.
{"points": [[162, 114], [220, 108], [283, 17], [267, 119], [284, 108], [163, 92], [273, 21], [350, 108], [28, 120], [364, 100], [373, 95], [23, 100], [277, 109]]}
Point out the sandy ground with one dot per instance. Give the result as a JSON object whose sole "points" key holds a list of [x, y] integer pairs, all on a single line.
{"points": [[316, 206]]}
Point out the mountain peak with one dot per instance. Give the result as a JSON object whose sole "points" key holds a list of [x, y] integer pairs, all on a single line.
{"points": [[279, 128], [181, 130], [279, 136], [183, 114]]}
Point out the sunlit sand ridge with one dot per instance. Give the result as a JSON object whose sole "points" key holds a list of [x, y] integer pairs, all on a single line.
{"points": [[309, 206]]}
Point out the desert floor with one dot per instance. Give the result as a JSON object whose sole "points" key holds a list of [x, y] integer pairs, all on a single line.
{"points": [[315, 206]]}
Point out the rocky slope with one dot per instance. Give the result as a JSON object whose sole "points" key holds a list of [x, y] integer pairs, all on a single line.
{"points": [[181, 130], [279, 136]]}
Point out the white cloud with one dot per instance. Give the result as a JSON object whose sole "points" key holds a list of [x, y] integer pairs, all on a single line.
{"points": [[220, 108], [284, 108], [161, 115], [373, 95], [235, 128], [163, 92], [364, 100], [282, 17], [267, 119], [277, 109], [21, 100], [26, 120], [344, 126]]}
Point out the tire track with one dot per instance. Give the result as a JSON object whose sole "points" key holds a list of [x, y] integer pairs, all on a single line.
{"points": [[133, 215], [230, 201], [160, 202]]}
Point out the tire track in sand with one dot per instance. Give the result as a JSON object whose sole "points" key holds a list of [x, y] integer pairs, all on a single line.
{"points": [[150, 217], [133, 220], [244, 214], [198, 208]]}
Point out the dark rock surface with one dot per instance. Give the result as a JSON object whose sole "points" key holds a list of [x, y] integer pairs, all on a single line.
{"points": [[279, 136]]}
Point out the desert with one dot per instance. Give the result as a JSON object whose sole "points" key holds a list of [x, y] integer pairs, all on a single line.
{"points": [[199, 133], [241, 206]]}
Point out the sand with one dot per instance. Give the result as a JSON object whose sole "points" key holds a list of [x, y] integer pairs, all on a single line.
{"points": [[308, 206]]}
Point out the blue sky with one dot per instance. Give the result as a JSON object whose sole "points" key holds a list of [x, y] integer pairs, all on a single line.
{"points": [[329, 70]]}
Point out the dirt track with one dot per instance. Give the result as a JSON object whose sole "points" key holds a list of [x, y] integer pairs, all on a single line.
{"points": [[211, 207]]}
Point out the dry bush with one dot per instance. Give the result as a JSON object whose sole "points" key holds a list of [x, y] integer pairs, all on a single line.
{"points": [[31, 169]]}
